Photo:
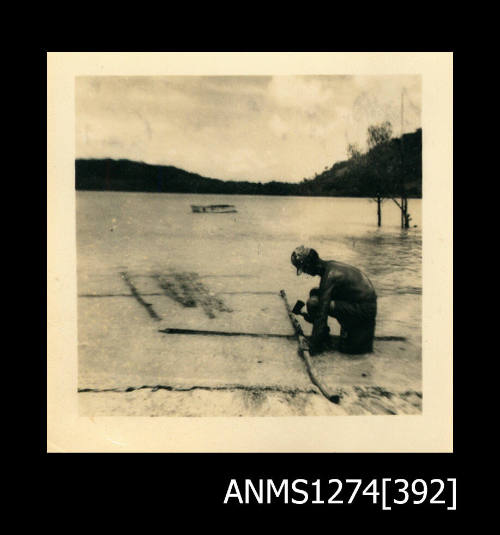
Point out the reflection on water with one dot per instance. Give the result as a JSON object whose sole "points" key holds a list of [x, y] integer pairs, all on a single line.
{"points": [[391, 258]]}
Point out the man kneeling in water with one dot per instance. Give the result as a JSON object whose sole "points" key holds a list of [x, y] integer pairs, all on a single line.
{"points": [[344, 293]]}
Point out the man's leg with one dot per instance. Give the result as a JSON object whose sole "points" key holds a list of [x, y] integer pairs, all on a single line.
{"points": [[358, 339], [312, 305], [312, 311], [357, 322]]}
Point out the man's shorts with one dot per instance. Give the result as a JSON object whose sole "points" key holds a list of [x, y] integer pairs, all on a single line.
{"points": [[357, 321]]}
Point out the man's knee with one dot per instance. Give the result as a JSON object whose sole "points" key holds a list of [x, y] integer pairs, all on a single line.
{"points": [[312, 305], [314, 292]]}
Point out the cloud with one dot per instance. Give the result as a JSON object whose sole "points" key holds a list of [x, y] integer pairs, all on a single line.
{"points": [[237, 127], [278, 126], [298, 92]]}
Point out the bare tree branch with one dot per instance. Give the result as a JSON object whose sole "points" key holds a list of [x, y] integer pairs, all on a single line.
{"points": [[399, 206]]}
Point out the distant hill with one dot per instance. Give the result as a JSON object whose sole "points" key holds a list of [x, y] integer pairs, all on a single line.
{"points": [[359, 178], [353, 178], [126, 175]]}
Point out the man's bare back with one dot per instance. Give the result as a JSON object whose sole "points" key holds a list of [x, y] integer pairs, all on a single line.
{"points": [[347, 283]]}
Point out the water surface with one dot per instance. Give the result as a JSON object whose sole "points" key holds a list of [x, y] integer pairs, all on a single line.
{"points": [[144, 232]]}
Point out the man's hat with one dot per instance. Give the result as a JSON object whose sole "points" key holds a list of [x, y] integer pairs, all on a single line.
{"points": [[299, 258]]}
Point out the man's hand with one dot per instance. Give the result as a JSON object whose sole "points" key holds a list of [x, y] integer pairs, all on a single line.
{"points": [[308, 318]]}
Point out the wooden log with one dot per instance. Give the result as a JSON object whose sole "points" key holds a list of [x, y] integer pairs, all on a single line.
{"points": [[201, 332], [304, 352]]}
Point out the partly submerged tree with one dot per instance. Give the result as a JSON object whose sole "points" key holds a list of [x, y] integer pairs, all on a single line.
{"points": [[380, 163], [385, 162], [400, 189]]}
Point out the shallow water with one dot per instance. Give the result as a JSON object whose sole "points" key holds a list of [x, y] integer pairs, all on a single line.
{"points": [[145, 232]]}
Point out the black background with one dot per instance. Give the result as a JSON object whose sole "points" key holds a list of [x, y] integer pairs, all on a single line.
{"points": [[156, 491]]}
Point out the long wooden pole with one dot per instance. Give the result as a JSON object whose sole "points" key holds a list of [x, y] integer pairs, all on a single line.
{"points": [[175, 330], [304, 352], [201, 332]]}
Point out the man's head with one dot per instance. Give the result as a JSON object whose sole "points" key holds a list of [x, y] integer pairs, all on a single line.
{"points": [[305, 259]]}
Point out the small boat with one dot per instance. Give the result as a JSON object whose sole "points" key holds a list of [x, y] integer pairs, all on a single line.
{"points": [[214, 209]]}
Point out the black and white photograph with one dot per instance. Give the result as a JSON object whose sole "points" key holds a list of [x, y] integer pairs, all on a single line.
{"points": [[250, 246]]}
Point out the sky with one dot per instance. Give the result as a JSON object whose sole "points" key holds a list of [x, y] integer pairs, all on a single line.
{"points": [[256, 128]]}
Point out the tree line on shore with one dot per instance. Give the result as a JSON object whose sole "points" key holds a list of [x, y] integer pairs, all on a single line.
{"points": [[390, 168]]}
